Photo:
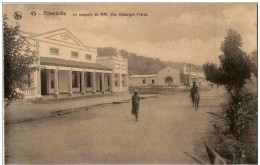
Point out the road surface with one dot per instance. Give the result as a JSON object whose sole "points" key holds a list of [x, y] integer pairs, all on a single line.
{"points": [[167, 126]]}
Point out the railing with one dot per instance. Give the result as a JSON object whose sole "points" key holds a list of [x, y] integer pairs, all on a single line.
{"points": [[28, 92]]}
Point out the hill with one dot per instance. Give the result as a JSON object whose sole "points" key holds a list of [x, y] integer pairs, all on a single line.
{"points": [[141, 65]]}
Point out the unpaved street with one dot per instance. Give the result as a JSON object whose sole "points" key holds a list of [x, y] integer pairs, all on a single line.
{"points": [[167, 127]]}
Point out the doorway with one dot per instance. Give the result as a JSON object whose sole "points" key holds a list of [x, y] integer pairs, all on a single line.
{"points": [[43, 82]]}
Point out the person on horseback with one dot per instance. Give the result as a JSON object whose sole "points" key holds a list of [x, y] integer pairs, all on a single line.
{"points": [[196, 97], [192, 92]]}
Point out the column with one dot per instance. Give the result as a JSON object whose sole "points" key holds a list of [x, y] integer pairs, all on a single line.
{"points": [[82, 83], [56, 83], [38, 72], [112, 82], [70, 83], [93, 82], [38, 82], [103, 82], [120, 82]]}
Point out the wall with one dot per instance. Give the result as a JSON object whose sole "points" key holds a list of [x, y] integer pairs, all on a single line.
{"points": [[65, 52], [138, 81], [174, 74], [63, 81]]}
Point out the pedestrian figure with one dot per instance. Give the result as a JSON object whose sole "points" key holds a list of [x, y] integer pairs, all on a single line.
{"points": [[192, 90], [135, 104], [196, 97]]}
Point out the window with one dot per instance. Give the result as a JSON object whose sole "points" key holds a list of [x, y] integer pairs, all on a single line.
{"points": [[123, 67], [108, 81], [54, 51], [52, 79], [88, 79], [117, 66], [144, 81], [88, 57], [152, 81], [74, 79], [74, 54]]}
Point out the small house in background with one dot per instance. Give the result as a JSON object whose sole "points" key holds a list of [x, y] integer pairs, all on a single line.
{"points": [[166, 76], [188, 76]]}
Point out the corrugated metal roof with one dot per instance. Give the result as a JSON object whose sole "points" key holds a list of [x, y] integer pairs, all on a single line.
{"points": [[71, 63]]}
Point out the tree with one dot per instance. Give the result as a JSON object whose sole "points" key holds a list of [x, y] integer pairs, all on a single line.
{"points": [[235, 68], [235, 65], [106, 51], [213, 73], [19, 61]]}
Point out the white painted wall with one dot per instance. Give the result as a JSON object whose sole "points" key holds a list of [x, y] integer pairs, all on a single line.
{"points": [[65, 52], [139, 81], [174, 74]]}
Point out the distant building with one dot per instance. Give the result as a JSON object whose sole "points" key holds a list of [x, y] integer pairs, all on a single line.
{"points": [[66, 66], [188, 76], [166, 76]]}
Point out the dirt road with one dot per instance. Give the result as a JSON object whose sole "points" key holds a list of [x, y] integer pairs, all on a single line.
{"points": [[168, 126]]}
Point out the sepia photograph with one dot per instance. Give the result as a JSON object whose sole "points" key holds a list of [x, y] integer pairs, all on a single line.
{"points": [[130, 83]]}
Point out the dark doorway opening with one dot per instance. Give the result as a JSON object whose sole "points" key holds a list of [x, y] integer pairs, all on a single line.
{"points": [[43, 82], [108, 82], [100, 83]]}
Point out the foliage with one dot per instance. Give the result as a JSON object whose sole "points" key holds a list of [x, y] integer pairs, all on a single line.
{"points": [[240, 112], [213, 73], [108, 51], [19, 61], [235, 68], [235, 65]]}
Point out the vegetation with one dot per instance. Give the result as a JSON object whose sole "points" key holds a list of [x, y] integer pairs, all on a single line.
{"points": [[19, 61], [234, 71]]}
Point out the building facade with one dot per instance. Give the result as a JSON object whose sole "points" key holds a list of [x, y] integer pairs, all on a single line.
{"points": [[188, 76], [166, 76], [119, 67], [66, 66]]}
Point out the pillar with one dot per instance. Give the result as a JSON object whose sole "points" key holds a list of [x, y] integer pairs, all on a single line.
{"points": [[93, 81], [103, 82], [56, 83], [112, 82], [38, 72], [38, 86], [82, 83], [70, 83]]}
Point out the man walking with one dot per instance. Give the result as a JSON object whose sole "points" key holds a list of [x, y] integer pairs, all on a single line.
{"points": [[135, 104]]}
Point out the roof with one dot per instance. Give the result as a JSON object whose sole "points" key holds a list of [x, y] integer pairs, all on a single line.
{"points": [[64, 30], [70, 63], [194, 75], [143, 76]]}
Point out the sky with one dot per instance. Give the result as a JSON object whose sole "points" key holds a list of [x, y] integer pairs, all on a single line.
{"points": [[178, 32]]}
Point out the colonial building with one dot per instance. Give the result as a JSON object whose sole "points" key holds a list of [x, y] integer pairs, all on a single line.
{"points": [[166, 76], [119, 67], [169, 76], [188, 76], [67, 66]]}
